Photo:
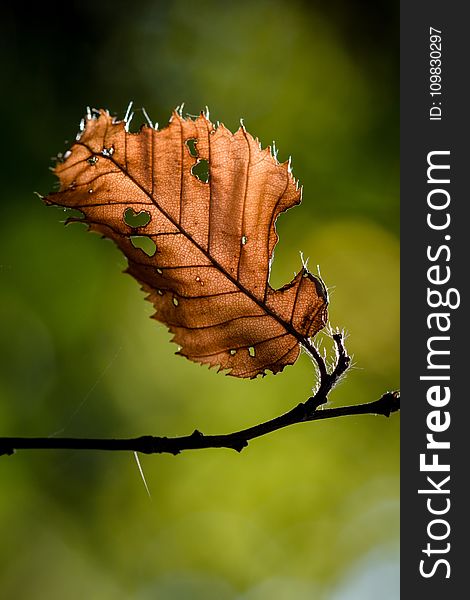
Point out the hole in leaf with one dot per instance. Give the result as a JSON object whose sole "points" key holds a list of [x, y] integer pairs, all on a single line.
{"points": [[232, 352], [191, 145], [136, 219], [159, 271], [144, 243], [251, 351], [175, 301], [92, 160], [201, 170], [244, 240], [107, 152]]}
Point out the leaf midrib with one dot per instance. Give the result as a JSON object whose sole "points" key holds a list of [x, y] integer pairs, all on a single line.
{"points": [[304, 341]]}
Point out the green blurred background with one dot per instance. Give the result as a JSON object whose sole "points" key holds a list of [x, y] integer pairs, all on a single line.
{"points": [[310, 512]]}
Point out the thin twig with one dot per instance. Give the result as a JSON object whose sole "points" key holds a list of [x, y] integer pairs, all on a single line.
{"points": [[305, 412], [147, 444]]}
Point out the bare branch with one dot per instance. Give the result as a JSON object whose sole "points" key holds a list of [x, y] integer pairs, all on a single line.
{"points": [[304, 412], [387, 404]]}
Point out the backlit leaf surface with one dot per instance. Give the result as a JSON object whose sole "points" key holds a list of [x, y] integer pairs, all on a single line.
{"points": [[193, 207]]}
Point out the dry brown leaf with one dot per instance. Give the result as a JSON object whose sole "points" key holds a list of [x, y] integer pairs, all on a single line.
{"points": [[206, 269]]}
